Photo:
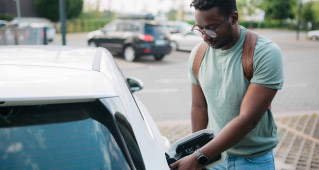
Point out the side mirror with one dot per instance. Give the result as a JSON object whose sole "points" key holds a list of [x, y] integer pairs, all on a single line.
{"points": [[134, 84]]}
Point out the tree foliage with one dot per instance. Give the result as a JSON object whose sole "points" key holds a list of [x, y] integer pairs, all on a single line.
{"points": [[278, 9], [50, 9], [308, 13], [172, 14], [315, 7]]}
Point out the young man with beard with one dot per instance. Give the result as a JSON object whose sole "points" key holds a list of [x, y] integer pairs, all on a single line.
{"points": [[224, 100]]}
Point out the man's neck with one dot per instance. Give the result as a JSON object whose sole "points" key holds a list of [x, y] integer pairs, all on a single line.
{"points": [[236, 36]]}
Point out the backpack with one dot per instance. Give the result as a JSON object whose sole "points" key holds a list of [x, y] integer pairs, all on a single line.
{"points": [[247, 55]]}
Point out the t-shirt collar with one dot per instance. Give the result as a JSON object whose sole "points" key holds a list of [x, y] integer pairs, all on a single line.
{"points": [[237, 44]]}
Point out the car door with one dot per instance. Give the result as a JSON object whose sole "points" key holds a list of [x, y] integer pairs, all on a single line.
{"points": [[105, 39], [124, 31]]}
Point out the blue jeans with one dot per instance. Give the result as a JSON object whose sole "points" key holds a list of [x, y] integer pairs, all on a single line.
{"points": [[264, 162]]}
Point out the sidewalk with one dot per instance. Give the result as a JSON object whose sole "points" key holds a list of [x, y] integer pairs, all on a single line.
{"points": [[298, 147]]}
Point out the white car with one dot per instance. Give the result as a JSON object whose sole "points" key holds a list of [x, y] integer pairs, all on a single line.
{"points": [[185, 41], [313, 35], [176, 26], [66, 108], [3, 23]]}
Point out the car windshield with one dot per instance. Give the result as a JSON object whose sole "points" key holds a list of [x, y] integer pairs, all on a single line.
{"points": [[59, 136]]}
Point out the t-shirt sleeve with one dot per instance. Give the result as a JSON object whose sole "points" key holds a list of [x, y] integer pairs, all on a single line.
{"points": [[190, 65], [268, 66]]}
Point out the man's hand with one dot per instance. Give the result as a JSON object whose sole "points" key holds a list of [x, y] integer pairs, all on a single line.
{"points": [[187, 163]]}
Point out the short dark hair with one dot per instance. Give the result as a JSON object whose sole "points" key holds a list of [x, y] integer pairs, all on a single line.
{"points": [[226, 7]]}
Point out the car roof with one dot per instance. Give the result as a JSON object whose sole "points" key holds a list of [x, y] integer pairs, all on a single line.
{"points": [[55, 74]]}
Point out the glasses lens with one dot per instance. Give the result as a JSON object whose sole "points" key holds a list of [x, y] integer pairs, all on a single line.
{"points": [[211, 33]]}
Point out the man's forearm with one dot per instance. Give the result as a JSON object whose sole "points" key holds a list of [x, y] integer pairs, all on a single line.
{"points": [[231, 134], [199, 119]]}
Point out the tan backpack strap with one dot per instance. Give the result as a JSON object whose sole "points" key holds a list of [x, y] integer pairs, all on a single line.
{"points": [[200, 53], [248, 53]]}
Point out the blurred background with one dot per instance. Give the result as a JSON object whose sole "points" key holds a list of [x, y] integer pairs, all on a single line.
{"points": [[89, 15], [292, 24]]}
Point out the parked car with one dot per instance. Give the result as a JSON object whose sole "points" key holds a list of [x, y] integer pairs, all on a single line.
{"points": [[313, 35], [3, 23], [67, 108], [34, 22], [186, 40], [177, 26], [132, 38]]}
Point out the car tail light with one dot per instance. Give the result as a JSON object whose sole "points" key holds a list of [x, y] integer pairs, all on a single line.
{"points": [[146, 37], [146, 50], [168, 37]]}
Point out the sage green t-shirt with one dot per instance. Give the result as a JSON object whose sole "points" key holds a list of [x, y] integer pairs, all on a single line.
{"points": [[224, 85]]}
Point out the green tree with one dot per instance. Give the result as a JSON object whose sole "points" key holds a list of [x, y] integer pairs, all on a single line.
{"points": [[278, 9], [316, 10], [172, 15], [50, 9], [308, 13]]}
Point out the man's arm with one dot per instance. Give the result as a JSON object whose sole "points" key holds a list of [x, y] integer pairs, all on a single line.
{"points": [[255, 103], [199, 114]]}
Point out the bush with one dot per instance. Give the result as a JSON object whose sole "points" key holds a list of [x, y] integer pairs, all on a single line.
{"points": [[7, 17], [85, 25]]}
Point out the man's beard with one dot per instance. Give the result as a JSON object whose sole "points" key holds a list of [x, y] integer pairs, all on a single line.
{"points": [[223, 41]]}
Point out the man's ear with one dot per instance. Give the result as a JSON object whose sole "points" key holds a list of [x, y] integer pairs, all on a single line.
{"points": [[234, 17]]}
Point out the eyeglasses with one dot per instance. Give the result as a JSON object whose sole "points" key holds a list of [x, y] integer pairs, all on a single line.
{"points": [[209, 32]]}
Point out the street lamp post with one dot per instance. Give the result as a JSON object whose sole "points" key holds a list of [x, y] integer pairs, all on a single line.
{"points": [[18, 8], [299, 18], [63, 20]]}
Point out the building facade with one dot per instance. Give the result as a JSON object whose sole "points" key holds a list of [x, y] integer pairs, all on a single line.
{"points": [[27, 8]]}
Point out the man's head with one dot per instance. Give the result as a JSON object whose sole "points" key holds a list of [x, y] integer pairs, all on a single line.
{"points": [[219, 16]]}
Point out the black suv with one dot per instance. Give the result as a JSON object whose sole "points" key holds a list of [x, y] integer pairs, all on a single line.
{"points": [[133, 38]]}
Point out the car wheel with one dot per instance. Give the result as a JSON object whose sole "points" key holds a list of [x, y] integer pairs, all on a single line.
{"points": [[92, 44], [159, 57], [129, 54], [314, 38], [174, 45]]}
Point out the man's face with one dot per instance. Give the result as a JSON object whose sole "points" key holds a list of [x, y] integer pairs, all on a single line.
{"points": [[211, 19]]}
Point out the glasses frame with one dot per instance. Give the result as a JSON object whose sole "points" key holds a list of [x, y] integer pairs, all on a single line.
{"points": [[209, 31]]}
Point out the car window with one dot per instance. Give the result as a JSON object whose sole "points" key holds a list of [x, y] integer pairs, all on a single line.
{"points": [[190, 33], [155, 29], [124, 27], [110, 27], [115, 106], [59, 136]]}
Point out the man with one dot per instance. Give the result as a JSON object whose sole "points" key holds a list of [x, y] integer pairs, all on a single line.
{"points": [[224, 100]]}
